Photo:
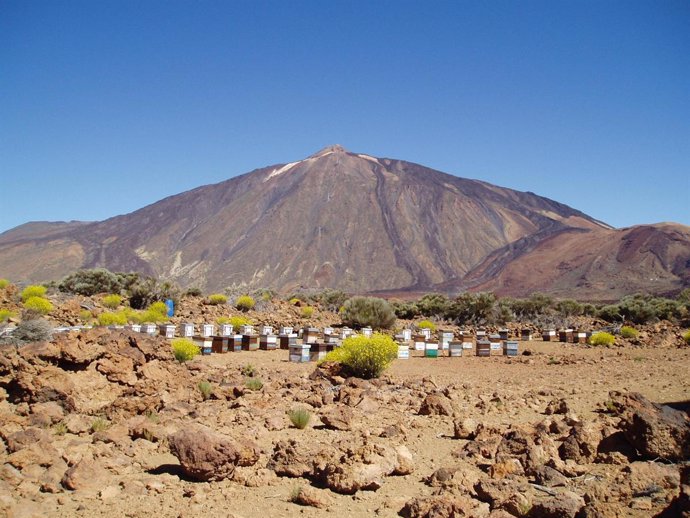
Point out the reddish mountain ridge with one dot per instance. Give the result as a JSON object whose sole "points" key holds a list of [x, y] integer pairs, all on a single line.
{"points": [[335, 219]]}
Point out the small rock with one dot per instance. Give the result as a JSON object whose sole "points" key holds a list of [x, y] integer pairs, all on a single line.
{"points": [[310, 496]]}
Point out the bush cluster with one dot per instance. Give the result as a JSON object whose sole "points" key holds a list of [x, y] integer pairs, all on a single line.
{"points": [[38, 305], [602, 339], [629, 332], [5, 314], [238, 321], [427, 324], [4, 283], [368, 312], [364, 357], [217, 299], [245, 303], [32, 291], [184, 349], [112, 301]]}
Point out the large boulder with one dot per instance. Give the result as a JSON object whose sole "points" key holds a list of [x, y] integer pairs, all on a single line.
{"points": [[656, 431], [436, 404], [208, 456], [348, 468], [443, 506]]}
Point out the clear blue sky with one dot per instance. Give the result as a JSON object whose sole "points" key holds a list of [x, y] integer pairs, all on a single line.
{"points": [[106, 106]]}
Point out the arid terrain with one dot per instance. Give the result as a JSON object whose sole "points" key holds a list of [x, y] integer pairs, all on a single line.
{"points": [[107, 423]]}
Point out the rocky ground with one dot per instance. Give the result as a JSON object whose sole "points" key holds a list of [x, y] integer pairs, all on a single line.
{"points": [[100, 423]]}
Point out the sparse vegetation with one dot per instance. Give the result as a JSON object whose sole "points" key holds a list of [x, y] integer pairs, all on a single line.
{"points": [[184, 349], [244, 303], [156, 313], [32, 291], [112, 301], [217, 299], [368, 311], [427, 324], [686, 337], [307, 312], [472, 308], [602, 339], [99, 425], [59, 428], [4, 283], [85, 316], [295, 494], [38, 305], [6, 314], [205, 388], [239, 321], [193, 292], [629, 332], [112, 319], [248, 370], [364, 357], [299, 417], [433, 305], [253, 383]]}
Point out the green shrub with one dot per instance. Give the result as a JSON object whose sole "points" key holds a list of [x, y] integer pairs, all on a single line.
{"points": [[364, 357], [686, 337], [332, 299], [33, 291], [193, 292], [534, 307], [85, 316], [4, 283], [629, 332], [610, 313], [217, 299], [244, 303], [299, 417], [253, 383], [475, 308], [112, 319], [602, 339], [368, 312], [112, 301], [568, 308], [239, 321], [38, 305], [205, 388], [433, 305], [97, 280], [294, 301], [406, 310], [222, 320], [6, 314], [307, 312], [145, 292], [427, 324], [184, 349]]}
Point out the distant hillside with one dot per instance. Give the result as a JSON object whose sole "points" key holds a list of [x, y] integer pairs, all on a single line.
{"points": [[342, 220]]}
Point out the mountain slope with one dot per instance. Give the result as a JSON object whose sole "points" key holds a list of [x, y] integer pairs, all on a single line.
{"points": [[335, 219]]}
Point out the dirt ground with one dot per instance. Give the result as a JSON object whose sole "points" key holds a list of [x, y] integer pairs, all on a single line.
{"points": [[497, 391]]}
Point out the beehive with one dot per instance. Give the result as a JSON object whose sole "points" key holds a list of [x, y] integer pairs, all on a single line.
{"points": [[268, 342], [219, 344], [167, 330], [250, 342], [234, 343], [318, 352], [525, 335], [403, 352], [207, 329], [186, 330], [431, 350], [548, 335], [299, 353], [455, 348], [205, 343], [226, 329], [510, 347], [483, 347]]}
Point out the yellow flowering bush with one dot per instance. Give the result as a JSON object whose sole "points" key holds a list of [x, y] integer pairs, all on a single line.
{"points": [[34, 290], [364, 357], [217, 299], [184, 349], [38, 305], [112, 301], [427, 324], [244, 303], [602, 339]]}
